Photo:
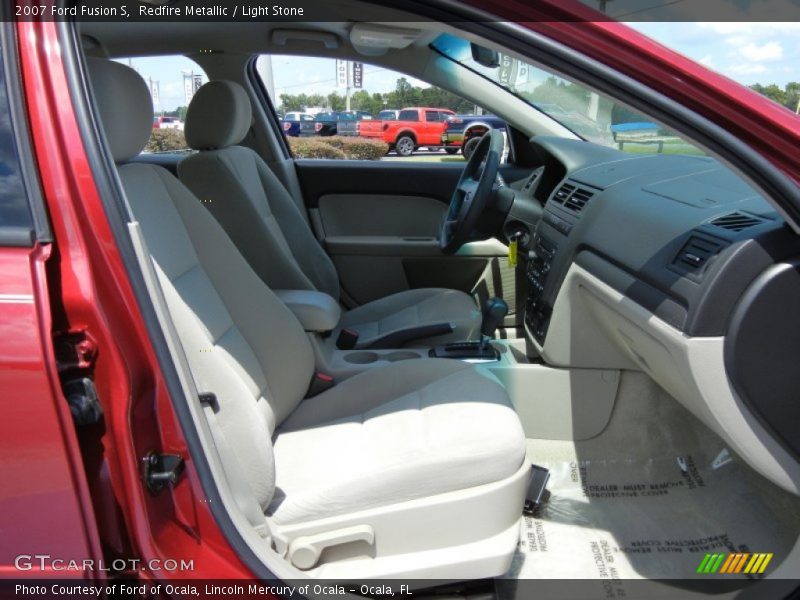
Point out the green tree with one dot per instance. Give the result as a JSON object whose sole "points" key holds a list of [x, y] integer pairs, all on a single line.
{"points": [[301, 102], [335, 101], [362, 100], [771, 91], [568, 97], [290, 103], [793, 96], [405, 94], [179, 112], [314, 100]]}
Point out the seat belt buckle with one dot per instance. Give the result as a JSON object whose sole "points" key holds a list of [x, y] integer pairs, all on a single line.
{"points": [[537, 494], [320, 382], [347, 340]]}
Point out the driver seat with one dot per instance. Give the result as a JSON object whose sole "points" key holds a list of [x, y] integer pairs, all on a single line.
{"points": [[260, 216]]}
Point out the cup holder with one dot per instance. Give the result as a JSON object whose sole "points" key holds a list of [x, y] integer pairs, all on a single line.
{"points": [[361, 358], [403, 355]]}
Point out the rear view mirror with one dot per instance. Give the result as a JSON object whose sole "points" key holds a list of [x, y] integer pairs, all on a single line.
{"points": [[485, 56]]}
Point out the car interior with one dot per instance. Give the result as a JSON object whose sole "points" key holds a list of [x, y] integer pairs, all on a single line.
{"points": [[379, 390]]}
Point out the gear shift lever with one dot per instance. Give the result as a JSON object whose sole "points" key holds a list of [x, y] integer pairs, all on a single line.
{"points": [[494, 311]]}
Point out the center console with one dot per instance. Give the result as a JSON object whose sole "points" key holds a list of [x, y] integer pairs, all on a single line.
{"points": [[339, 362], [537, 309], [493, 311], [551, 249]]}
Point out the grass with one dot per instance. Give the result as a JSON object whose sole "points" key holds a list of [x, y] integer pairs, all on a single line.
{"points": [[633, 148], [672, 146]]}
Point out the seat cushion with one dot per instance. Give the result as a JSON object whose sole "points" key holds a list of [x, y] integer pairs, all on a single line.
{"points": [[408, 430], [413, 308]]}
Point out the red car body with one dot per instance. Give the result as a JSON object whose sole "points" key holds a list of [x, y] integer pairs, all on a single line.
{"points": [[77, 292], [167, 123], [423, 126]]}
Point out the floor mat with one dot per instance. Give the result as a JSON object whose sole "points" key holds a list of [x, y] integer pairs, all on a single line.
{"points": [[649, 498]]}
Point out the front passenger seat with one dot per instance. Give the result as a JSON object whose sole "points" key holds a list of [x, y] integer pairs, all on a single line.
{"points": [[259, 215], [416, 469]]}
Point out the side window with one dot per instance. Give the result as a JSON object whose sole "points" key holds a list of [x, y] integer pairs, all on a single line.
{"points": [[173, 81], [408, 115], [16, 221], [333, 109]]}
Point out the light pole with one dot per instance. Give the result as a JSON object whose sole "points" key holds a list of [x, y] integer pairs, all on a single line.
{"points": [[191, 83], [264, 69], [347, 89]]}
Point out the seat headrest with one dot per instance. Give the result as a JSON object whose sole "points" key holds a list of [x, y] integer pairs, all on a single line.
{"points": [[219, 116], [126, 108]]}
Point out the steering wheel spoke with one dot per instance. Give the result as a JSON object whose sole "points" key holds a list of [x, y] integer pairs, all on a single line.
{"points": [[468, 186], [473, 192]]}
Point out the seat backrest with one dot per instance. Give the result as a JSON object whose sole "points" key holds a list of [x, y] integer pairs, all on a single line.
{"points": [[241, 342], [246, 197]]}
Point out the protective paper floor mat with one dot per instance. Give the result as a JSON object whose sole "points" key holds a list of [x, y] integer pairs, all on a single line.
{"points": [[648, 499]]}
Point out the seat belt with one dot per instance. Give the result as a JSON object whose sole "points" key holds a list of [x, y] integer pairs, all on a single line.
{"points": [[237, 482]]}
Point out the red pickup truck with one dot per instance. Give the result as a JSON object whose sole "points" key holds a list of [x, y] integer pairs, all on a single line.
{"points": [[414, 127]]}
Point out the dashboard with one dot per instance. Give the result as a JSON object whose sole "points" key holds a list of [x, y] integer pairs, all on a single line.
{"points": [[673, 265]]}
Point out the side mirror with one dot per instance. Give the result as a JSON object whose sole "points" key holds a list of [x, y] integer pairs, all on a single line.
{"points": [[484, 56]]}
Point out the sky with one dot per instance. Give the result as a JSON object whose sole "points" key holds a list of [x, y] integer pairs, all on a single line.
{"points": [[746, 52]]}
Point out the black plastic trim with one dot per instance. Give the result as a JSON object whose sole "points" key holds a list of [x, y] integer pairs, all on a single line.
{"points": [[319, 177], [761, 351], [398, 339]]}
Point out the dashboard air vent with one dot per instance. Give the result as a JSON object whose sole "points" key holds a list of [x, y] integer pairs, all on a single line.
{"points": [[578, 200], [563, 193], [533, 179], [736, 221], [695, 253]]}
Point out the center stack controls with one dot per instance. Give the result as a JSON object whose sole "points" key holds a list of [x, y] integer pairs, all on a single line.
{"points": [[537, 310]]}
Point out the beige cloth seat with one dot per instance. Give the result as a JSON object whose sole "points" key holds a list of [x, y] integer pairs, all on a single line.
{"points": [[411, 430], [417, 433], [259, 215]]}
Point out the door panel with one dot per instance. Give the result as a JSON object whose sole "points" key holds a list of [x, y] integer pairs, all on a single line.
{"points": [[379, 221], [319, 178], [380, 215], [385, 245]]}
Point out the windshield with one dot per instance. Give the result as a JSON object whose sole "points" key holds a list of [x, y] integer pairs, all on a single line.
{"points": [[591, 116]]}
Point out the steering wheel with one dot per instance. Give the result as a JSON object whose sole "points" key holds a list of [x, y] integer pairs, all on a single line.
{"points": [[474, 192]]}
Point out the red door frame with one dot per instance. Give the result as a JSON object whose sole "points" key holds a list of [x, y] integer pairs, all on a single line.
{"points": [[97, 297], [42, 485]]}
